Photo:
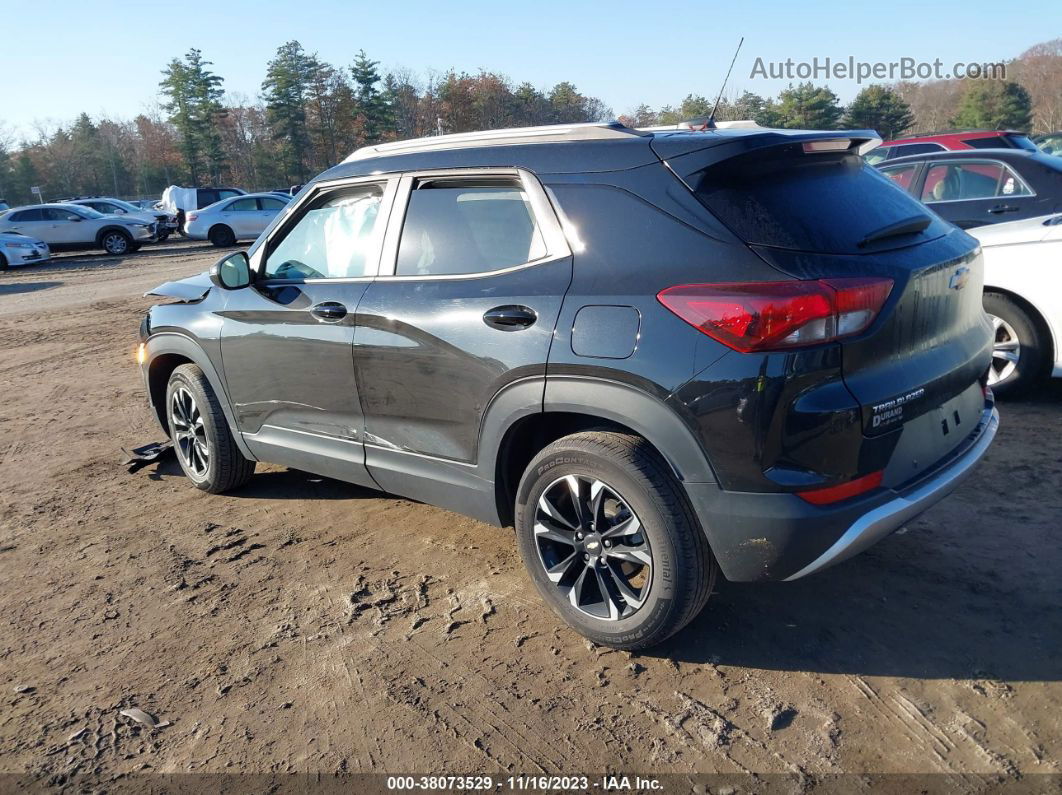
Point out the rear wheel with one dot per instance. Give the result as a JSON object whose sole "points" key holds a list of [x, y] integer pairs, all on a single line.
{"points": [[117, 243], [205, 446], [221, 236], [1019, 357], [609, 540]]}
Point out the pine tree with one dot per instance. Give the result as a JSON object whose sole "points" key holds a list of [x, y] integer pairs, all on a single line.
{"points": [[193, 100], [807, 107], [882, 109], [994, 105], [285, 92], [372, 106]]}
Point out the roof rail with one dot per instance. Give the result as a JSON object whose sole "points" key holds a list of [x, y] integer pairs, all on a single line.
{"points": [[743, 124], [549, 133]]}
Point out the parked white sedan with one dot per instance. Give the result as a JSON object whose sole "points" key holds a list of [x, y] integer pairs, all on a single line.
{"points": [[229, 220], [1023, 295], [16, 249]]}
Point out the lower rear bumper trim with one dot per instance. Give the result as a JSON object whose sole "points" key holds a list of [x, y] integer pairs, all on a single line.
{"points": [[890, 516]]}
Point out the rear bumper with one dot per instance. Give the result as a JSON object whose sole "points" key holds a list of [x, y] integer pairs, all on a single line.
{"points": [[782, 537]]}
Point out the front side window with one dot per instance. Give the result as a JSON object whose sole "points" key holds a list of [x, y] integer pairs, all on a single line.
{"points": [[56, 214], [242, 206], [465, 226], [966, 181], [338, 237]]}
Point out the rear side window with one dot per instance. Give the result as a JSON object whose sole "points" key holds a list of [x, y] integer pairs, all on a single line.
{"points": [[901, 175], [242, 206], [821, 202], [467, 226], [270, 204], [27, 215], [1002, 142]]}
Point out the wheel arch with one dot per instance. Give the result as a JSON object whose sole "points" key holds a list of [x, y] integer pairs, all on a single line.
{"points": [[1035, 315], [531, 414], [167, 352], [112, 228]]}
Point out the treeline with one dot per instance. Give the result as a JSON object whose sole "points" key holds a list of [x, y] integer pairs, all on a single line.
{"points": [[310, 114]]}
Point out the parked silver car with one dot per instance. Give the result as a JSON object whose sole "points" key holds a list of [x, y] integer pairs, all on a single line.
{"points": [[167, 223], [18, 249], [229, 220], [74, 226]]}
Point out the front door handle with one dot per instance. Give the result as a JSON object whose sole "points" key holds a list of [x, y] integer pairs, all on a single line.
{"points": [[329, 311], [510, 318]]}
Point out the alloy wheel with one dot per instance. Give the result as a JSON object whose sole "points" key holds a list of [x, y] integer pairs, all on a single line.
{"points": [[593, 547], [189, 432], [1006, 350], [115, 243]]}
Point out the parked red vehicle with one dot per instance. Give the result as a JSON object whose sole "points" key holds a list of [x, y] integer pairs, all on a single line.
{"points": [[949, 142]]}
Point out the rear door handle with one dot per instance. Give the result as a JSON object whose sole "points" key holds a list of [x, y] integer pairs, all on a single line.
{"points": [[1004, 208], [510, 318], [329, 311]]}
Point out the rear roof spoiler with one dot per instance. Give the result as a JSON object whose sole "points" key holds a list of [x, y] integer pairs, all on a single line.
{"points": [[712, 147]]}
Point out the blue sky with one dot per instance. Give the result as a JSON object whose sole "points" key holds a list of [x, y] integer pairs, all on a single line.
{"points": [[60, 58]]}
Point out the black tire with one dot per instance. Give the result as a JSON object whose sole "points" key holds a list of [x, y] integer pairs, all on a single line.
{"points": [[683, 570], [3, 263], [224, 467], [221, 236], [1011, 319], [116, 243]]}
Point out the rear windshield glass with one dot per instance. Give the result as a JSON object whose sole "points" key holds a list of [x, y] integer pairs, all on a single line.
{"points": [[826, 203], [1006, 141]]}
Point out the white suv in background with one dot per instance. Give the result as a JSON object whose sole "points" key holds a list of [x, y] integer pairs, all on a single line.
{"points": [[229, 220], [73, 226]]}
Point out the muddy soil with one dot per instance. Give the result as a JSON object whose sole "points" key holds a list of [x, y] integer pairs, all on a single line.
{"points": [[305, 625]]}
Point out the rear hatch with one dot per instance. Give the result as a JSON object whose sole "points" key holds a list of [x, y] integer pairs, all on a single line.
{"points": [[826, 215]]}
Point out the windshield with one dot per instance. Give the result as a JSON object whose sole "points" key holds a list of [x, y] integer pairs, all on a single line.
{"points": [[127, 206], [86, 212]]}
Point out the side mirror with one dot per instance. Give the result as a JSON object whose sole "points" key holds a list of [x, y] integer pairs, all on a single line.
{"points": [[232, 272], [73, 217], [119, 211]]}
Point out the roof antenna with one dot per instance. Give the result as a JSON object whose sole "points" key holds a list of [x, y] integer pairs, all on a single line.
{"points": [[709, 123]]}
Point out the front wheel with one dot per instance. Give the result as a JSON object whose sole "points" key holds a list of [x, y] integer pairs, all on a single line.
{"points": [[117, 243], [610, 541], [205, 446], [1019, 359]]}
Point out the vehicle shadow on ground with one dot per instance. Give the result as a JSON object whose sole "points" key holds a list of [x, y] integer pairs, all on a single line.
{"points": [[26, 287], [289, 484]]}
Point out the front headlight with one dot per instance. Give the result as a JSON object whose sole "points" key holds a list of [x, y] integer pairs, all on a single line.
{"points": [[19, 245], [141, 226]]}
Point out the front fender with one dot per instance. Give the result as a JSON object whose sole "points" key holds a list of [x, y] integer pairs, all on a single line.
{"points": [[168, 343]]}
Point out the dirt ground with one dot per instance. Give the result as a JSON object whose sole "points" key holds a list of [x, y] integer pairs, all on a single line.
{"points": [[305, 625]]}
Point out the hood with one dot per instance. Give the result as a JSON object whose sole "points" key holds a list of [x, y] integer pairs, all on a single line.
{"points": [[194, 288], [15, 237]]}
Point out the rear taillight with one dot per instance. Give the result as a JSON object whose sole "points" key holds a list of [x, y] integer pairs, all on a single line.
{"points": [[191, 217], [765, 316], [844, 491]]}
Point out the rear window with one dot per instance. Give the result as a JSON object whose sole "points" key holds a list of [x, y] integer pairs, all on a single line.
{"points": [[1006, 141], [825, 203]]}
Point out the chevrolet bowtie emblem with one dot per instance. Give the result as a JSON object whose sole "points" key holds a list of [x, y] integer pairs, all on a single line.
{"points": [[959, 278]]}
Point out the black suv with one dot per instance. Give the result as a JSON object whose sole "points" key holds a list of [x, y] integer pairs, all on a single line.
{"points": [[658, 354]]}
